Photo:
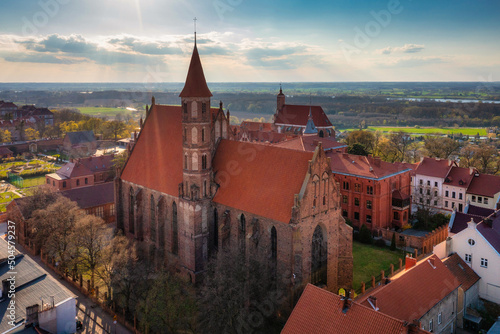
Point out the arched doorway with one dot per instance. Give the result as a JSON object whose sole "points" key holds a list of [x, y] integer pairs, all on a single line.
{"points": [[319, 257]]}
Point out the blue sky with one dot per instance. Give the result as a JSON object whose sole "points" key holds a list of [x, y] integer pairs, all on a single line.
{"points": [[243, 40]]}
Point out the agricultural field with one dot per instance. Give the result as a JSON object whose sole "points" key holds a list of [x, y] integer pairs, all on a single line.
{"points": [[426, 131], [370, 260], [98, 111]]}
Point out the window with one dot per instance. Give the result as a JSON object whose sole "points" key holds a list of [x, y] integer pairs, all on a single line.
{"points": [[242, 234], [345, 185], [460, 207], [274, 247], [471, 242], [473, 198], [344, 199], [357, 187], [356, 215], [203, 135], [185, 108], [460, 196], [184, 137], [428, 182], [204, 161], [428, 201], [435, 193], [194, 109], [368, 204], [356, 201], [484, 262], [446, 193], [48, 181], [344, 213], [421, 200], [435, 202], [368, 219], [78, 182], [453, 195], [440, 319], [445, 204], [452, 204], [203, 108], [421, 191], [485, 200], [431, 325], [86, 180], [479, 199], [468, 258], [396, 215], [435, 184], [428, 192], [175, 230], [369, 190], [152, 216], [64, 184], [421, 181]]}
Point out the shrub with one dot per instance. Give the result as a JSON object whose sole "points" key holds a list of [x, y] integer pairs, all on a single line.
{"points": [[365, 236]]}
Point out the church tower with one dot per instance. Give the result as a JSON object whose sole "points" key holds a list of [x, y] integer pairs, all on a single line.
{"points": [[198, 147]]}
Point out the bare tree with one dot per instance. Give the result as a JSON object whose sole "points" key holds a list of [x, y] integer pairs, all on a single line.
{"points": [[440, 147]]}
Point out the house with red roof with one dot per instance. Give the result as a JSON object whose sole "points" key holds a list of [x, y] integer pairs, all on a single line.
{"points": [[292, 118], [426, 292], [476, 240], [455, 187], [428, 183], [205, 191], [320, 311], [484, 191]]}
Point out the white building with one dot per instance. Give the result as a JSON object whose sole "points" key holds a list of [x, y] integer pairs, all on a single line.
{"points": [[484, 191], [455, 187]]}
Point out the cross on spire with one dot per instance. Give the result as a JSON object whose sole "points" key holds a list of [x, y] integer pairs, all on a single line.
{"points": [[195, 19]]}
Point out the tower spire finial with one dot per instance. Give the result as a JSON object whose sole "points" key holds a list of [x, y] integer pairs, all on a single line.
{"points": [[195, 19], [310, 106]]}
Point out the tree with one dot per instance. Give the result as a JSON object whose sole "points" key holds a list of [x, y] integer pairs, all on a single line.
{"points": [[31, 134], [485, 156], [400, 141], [365, 236], [440, 147], [54, 229], [467, 154], [169, 305], [357, 149], [393, 242], [92, 236], [364, 138], [120, 159], [115, 128]]}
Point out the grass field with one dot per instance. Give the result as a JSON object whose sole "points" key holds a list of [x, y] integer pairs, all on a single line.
{"points": [[370, 260], [5, 199], [33, 181], [97, 111], [425, 131]]}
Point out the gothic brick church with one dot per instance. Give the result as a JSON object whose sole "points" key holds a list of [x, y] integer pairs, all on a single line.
{"points": [[189, 189]]}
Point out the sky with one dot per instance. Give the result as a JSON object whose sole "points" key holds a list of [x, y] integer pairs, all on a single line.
{"points": [[249, 40]]}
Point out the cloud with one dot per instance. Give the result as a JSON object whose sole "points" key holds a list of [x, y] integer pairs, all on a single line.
{"points": [[407, 48], [145, 47], [56, 43], [40, 58], [414, 61]]}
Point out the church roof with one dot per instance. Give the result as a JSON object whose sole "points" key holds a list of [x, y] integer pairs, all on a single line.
{"points": [[156, 160], [196, 85], [259, 179], [298, 115]]}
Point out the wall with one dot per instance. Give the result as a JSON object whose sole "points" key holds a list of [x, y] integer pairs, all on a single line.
{"points": [[66, 313], [492, 201], [448, 309], [50, 144], [423, 244]]}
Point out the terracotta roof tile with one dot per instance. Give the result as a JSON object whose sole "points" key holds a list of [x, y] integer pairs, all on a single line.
{"points": [[299, 114], [73, 169], [266, 136], [414, 292], [309, 143], [434, 167], [460, 177], [465, 275], [484, 185], [257, 126], [260, 179], [156, 160], [363, 166], [92, 196], [196, 85], [320, 311]]}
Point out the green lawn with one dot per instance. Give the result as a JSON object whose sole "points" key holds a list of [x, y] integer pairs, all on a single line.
{"points": [[424, 131], [370, 260], [5, 199], [103, 111], [33, 181]]}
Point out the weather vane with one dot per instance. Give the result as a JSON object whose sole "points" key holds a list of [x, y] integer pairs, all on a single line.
{"points": [[195, 19]]}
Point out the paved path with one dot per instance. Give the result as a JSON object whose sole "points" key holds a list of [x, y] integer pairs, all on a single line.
{"points": [[94, 319]]}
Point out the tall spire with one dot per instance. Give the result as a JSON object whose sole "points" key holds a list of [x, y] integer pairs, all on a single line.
{"points": [[196, 85], [310, 127], [195, 19]]}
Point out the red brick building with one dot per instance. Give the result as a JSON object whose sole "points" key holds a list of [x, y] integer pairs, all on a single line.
{"points": [[97, 200], [204, 192], [82, 172]]}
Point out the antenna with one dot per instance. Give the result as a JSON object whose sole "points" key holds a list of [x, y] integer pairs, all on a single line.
{"points": [[195, 19]]}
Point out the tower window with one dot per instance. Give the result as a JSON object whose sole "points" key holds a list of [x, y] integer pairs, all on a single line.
{"points": [[204, 161], [203, 135], [185, 108], [203, 108]]}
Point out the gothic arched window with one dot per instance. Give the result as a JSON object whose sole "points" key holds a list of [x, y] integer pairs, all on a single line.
{"points": [[152, 210], [194, 135], [194, 166], [175, 230], [194, 109], [216, 229], [203, 135], [241, 234], [162, 217], [131, 218], [319, 257], [274, 251], [204, 161]]}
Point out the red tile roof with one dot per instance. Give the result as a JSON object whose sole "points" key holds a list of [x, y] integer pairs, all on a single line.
{"points": [[298, 115], [460, 177], [434, 167], [257, 126], [363, 166], [411, 295], [320, 311], [5, 151], [260, 179], [73, 169], [408, 165], [196, 85], [484, 185], [309, 143], [92, 196], [266, 136], [465, 275], [98, 164], [156, 160]]}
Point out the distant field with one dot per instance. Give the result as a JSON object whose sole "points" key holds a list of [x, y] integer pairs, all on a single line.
{"points": [[464, 131], [96, 111]]}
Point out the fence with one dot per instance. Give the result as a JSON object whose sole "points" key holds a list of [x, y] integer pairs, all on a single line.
{"points": [[102, 300]]}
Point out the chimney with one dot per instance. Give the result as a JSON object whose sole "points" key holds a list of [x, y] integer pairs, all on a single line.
{"points": [[373, 302], [347, 301], [449, 249], [410, 262]]}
